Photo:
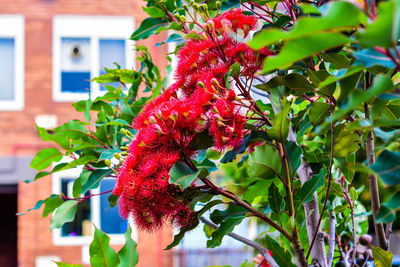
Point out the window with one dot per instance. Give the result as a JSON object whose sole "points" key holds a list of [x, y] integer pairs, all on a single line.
{"points": [[82, 47], [92, 211], [12, 62]]}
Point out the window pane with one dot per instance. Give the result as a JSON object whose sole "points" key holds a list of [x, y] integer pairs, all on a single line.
{"points": [[81, 225], [7, 64], [110, 221], [111, 51], [75, 65], [75, 82]]}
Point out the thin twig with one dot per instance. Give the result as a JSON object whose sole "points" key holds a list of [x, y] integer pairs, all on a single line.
{"points": [[263, 251]]}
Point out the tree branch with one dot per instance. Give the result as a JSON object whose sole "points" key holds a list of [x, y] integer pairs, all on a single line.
{"points": [[332, 234], [373, 185], [263, 251], [329, 178], [318, 252], [388, 233], [247, 206]]}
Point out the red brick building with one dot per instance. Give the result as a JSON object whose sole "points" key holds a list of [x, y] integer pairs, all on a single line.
{"points": [[37, 55]]}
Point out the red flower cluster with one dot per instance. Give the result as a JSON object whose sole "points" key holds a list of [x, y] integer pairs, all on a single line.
{"points": [[166, 125]]}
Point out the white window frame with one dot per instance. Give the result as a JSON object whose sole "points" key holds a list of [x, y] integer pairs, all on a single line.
{"points": [[13, 26], [58, 240], [94, 28]]}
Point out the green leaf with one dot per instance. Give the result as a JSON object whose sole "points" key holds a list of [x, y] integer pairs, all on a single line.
{"points": [[37, 206], [307, 190], [208, 206], [193, 36], [385, 30], [294, 81], [282, 21], [80, 146], [370, 57], [234, 69], [218, 216], [299, 49], [256, 189], [178, 237], [265, 162], [80, 161], [280, 254], [353, 194], [275, 199], [113, 200], [340, 16], [59, 139], [117, 122], [382, 258], [101, 254], [382, 83], [225, 228], [87, 110], [173, 38], [394, 201], [340, 61], [332, 80], [387, 166], [318, 112], [73, 129], [62, 264], [345, 141], [154, 12], [280, 130], [317, 77], [95, 178], [108, 154], [64, 213], [182, 175], [51, 203], [347, 85], [344, 162], [45, 157], [201, 141], [128, 254], [148, 27], [385, 215]]}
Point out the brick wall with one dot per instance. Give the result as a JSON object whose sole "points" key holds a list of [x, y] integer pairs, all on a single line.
{"points": [[18, 135]]}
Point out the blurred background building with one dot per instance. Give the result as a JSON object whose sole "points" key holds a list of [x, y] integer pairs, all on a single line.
{"points": [[49, 50]]}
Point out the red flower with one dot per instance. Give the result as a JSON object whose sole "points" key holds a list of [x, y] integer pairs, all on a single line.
{"points": [[167, 124], [237, 19]]}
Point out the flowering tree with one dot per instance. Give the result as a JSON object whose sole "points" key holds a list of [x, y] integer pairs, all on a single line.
{"points": [[291, 100]]}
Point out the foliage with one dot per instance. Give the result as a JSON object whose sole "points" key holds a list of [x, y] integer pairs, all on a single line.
{"points": [[327, 76]]}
